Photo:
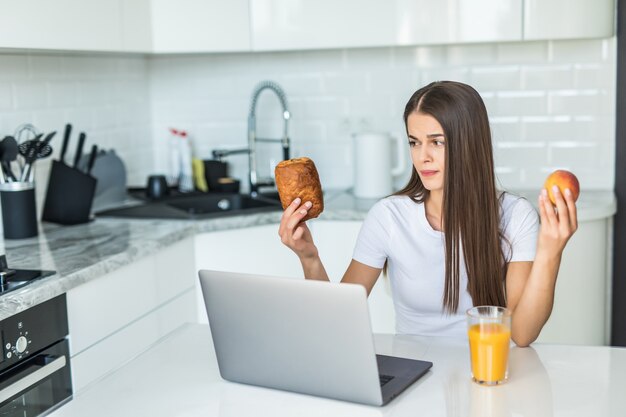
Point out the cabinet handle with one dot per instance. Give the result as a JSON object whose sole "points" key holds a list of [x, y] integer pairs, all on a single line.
{"points": [[32, 379]]}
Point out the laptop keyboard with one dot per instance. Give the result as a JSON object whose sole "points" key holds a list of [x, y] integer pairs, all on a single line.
{"points": [[384, 379]]}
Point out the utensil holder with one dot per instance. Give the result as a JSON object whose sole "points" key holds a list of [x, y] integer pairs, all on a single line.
{"points": [[69, 195], [19, 212]]}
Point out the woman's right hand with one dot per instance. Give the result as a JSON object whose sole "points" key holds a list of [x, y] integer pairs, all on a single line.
{"points": [[294, 233]]}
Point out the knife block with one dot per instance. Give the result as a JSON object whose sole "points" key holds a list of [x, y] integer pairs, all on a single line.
{"points": [[69, 195]]}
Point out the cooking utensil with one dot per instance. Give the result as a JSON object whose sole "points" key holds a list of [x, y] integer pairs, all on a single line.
{"points": [[8, 153], [79, 148], [92, 158], [66, 140], [38, 150]]}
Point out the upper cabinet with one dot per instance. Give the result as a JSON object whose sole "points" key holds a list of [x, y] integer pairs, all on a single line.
{"points": [[92, 25], [200, 26], [568, 19], [307, 24], [420, 22], [136, 26], [317, 24]]}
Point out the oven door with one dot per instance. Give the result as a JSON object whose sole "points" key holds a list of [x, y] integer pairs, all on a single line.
{"points": [[37, 384]]}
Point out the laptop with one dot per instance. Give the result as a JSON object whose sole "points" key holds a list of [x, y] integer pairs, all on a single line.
{"points": [[299, 335]]}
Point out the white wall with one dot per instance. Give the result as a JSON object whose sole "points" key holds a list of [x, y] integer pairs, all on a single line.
{"points": [[106, 96], [552, 104]]}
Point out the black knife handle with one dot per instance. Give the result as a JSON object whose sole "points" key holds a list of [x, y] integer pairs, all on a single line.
{"points": [[92, 158], [66, 140], [79, 148]]}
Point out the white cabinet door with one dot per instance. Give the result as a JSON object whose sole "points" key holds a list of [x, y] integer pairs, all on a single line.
{"points": [[253, 250], [568, 19], [458, 21], [200, 26], [335, 241], [580, 313], [136, 26], [311, 24], [113, 318], [92, 25], [258, 250]]}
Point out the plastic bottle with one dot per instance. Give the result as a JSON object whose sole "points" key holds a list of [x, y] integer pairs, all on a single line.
{"points": [[174, 158], [185, 183]]}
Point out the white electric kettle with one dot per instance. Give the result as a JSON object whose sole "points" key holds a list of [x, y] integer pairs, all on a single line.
{"points": [[373, 172]]}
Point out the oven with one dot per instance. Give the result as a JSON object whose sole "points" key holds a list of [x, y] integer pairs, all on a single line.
{"points": [[35, 375]]}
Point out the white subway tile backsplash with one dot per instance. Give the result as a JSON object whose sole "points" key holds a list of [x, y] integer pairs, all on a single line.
{"points": [[346, 83], [492, 78], [473, 54], [547, 77], [6, 96], [589, 76], [522, 52], [506, 129], [320, 62], [461, 74], [575, 102], [520, 155], [392, 81], [14, 68], [551, 104], [29, 95], [62, 93], [419, 57], [520, 103], [368, 58], [584, 50]]}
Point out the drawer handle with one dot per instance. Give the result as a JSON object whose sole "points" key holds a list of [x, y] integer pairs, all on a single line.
{"points": [[32, 379]]}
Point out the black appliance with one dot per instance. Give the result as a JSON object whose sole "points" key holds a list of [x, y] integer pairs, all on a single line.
{"points": [[12, 279], [35, 375]]}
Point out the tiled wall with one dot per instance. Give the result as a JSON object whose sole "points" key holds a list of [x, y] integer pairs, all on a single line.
{"points": [[552, 104], [105, 96]]}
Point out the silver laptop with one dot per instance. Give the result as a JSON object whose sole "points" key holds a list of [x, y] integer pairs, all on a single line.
{"points": [[300, 335]]}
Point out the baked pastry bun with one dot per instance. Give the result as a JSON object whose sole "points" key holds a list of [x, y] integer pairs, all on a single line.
{"points": [[298, 177]]}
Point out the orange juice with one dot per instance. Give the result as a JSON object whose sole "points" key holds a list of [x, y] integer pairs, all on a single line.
{"points": [[489, 350]]}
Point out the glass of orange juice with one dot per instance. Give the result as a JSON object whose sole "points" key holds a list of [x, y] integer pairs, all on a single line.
{"points": [[489, 333]]}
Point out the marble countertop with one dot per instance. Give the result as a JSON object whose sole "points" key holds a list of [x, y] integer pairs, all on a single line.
{"points": [[85, 252], [544, 381]]}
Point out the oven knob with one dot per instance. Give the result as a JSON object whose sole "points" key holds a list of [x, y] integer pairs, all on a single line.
{"points": [[21, 344]]}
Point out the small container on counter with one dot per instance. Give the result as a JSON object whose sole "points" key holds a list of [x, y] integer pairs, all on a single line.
{"points": [[19, 212]]}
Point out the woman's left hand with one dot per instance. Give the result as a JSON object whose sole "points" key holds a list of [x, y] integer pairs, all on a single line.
{"points": [[557, 224]]}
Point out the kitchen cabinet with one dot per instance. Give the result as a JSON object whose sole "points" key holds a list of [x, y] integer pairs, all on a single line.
{"points": [[117, 316], [581, 309], [136, 26], [258, 250], [91, 25], [568, 19], [200, 26], [306, 24]]}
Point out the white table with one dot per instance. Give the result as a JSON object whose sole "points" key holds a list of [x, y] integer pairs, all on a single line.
{"points": [[179, 377]]}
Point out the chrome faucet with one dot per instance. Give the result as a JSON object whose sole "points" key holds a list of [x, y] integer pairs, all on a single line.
{"points": [[253, 179]]}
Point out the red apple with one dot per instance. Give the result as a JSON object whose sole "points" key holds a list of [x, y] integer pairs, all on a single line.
{"points": [[563, 179]]}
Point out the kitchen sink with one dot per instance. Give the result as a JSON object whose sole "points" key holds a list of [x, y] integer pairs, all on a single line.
{"points": [[197, 206]]}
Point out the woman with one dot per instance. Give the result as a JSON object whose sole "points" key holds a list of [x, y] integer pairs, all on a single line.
{"points": [[448, 238]]}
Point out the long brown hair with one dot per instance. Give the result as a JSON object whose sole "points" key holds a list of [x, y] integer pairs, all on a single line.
{"points": [[471, 207]]}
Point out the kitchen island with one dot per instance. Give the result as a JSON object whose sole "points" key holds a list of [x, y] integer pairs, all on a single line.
{"points": [[545, 380]]}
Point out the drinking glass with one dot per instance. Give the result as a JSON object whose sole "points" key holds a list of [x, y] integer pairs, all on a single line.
{"points": [[489, 333]]}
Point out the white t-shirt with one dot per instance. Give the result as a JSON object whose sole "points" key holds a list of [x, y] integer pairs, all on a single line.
{"points": [[396, 229]]}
